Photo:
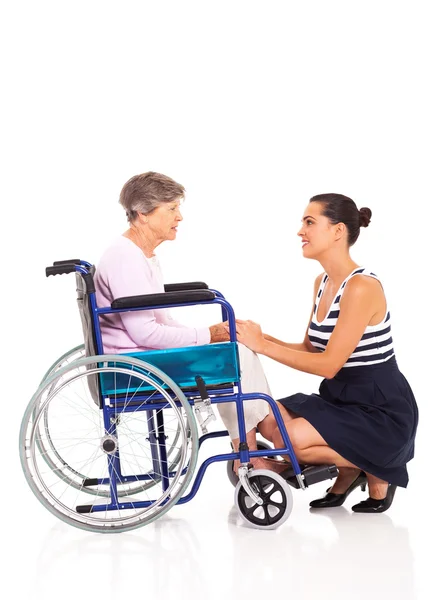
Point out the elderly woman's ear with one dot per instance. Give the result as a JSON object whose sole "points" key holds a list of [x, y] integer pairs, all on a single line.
{"points": [[142, 219]]}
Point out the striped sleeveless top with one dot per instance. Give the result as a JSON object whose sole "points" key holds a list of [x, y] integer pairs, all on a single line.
{"points": [[375, 346]]}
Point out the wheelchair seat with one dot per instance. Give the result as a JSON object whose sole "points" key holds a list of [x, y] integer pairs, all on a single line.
{"points": [[216, 364]]}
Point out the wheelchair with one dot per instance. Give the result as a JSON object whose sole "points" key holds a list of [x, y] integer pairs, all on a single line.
{"points": [[109, 443]]}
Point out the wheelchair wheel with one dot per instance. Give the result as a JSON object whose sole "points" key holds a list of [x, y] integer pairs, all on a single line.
{"points": [[64, 360], [82, 441], [275, 493], [54, 456], [233, 477]]}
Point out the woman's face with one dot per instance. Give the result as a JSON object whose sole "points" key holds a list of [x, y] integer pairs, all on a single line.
{"points": [[317, 233], [163, 221]]}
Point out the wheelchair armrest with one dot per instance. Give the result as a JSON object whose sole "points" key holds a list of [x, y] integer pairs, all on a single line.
{"points": [[71, 261], [167, 298], [190, 285]]}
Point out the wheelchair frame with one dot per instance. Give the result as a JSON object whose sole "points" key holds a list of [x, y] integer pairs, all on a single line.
{"points": [[249, 489]]}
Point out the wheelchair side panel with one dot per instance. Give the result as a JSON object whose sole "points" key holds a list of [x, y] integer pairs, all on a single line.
{"points": [[215, 363]]}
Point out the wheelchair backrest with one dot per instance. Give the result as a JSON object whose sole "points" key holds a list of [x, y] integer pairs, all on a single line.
{"points": [[83, 302], [87, 324]]}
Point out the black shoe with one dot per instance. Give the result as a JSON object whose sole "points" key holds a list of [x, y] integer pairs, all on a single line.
{"points": [[331, 500], [371, 505]]}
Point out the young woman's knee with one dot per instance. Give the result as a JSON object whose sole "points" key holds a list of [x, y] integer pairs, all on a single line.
{"points": [[294, 437], [267, 426]]}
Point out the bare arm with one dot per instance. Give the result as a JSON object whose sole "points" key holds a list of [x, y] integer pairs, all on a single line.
{"points": [[358, 305], [286, 344]]}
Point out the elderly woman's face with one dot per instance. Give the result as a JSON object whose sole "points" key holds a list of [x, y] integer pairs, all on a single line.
{"points": [[163, 221]]}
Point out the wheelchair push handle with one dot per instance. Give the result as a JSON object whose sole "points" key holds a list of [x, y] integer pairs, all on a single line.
{"points": [[61, 269]]}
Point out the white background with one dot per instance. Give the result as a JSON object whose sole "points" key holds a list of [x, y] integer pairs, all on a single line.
{"points": [[254, 107]]}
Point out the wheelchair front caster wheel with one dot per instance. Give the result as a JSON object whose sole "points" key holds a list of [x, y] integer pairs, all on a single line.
{"points": [[233, 477], [277, 500]]}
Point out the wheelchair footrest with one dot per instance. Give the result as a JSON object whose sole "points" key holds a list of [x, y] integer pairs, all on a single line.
{"points": [[311, 474], [317, 473]]}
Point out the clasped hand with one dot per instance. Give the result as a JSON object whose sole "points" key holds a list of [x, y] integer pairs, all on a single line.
{"points": [[250, 334]]}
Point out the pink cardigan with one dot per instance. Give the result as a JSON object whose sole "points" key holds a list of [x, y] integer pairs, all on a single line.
{"points": [[125, 271]]}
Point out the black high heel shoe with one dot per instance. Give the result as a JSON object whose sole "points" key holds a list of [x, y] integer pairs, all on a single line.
{"points": [[331, 500], [371, 505]]}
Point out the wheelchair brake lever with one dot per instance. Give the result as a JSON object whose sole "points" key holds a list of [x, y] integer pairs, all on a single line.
{"points": [[203, 406]]}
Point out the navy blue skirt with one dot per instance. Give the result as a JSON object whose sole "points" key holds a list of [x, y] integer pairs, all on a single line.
{"points": [[368, 415]]}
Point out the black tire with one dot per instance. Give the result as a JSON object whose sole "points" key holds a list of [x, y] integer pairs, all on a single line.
{"points": [[275, 494]]}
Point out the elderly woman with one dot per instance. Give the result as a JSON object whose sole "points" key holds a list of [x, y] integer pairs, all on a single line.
{"points": [[130, 267]]}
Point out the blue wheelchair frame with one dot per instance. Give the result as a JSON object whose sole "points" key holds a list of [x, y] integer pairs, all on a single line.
{"points": [[156, 421]]}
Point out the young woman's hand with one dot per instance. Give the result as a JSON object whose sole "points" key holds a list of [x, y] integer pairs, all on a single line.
{"points": [[250, 334]]}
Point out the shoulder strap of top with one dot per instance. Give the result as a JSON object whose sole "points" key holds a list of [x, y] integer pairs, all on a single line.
{"points": [[368, 273], [357, 271], [361, 271]]}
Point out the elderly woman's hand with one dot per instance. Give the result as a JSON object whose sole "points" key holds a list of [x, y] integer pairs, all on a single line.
{"points": [[219, 333], [250, 334]]}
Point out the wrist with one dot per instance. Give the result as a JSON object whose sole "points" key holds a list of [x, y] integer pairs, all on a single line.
{"points": [[264, 346]]}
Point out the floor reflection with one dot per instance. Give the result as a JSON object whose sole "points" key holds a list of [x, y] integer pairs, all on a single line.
{"points": [[332, 554], [155, 563]]}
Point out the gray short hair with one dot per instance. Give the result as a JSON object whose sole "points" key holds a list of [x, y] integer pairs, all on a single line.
{"points": [[143, 193]]}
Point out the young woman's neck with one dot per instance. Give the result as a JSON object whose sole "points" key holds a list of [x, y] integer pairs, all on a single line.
{"points": [[338, 267]]}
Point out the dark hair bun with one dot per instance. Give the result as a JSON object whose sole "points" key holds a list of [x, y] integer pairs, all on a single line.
{"points": [[365, 215]]}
